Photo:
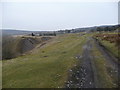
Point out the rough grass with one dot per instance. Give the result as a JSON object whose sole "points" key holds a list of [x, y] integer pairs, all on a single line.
{"points": [[111, 47], [48, 68], [110, 42]]}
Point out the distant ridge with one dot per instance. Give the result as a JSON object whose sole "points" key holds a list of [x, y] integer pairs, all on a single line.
{"points": [[18, 32], [75, 30], [14, 32]]}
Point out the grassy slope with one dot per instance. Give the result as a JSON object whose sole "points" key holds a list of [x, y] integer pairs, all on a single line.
{"points": [[46, 68], [9, 47], [111, 47], [14, 46]]}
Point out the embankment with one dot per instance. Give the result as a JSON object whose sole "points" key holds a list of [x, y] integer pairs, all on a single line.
{"points": [[16, 46]]}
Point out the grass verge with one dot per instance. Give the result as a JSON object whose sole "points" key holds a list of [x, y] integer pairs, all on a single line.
{"points": [[111, 47]]}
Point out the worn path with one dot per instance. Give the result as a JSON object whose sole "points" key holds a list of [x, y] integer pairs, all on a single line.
{"points": [[84, 75]]}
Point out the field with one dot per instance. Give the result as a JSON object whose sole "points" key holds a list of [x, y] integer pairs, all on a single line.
{"points": [[56, 44], [68, 60], [46, 68]]}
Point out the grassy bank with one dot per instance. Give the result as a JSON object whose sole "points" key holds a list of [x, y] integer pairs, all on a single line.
{"points": [[110, 41], [111, 47], [14, 46], [48, 68], [10, 47]]}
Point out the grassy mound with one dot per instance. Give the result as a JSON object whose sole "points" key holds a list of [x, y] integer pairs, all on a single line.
{"points": [[16, 46]]}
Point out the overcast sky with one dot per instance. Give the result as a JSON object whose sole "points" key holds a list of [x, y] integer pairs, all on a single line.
{"points": [[59, 15]]}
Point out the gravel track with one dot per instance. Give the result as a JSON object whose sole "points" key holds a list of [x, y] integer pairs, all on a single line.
{"points": [[84, 74]]}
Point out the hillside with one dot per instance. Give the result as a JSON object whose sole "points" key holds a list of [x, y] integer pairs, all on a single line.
{"points": [[22, 32], [14, 46], [68, 60], [14, 32], [48, 67]]}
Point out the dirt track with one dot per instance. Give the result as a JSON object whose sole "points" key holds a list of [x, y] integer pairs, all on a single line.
{"points": [[112, 62], [84, 75]]}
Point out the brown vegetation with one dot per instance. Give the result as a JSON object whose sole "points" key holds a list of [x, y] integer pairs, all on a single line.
{"points": [[112, 38]]}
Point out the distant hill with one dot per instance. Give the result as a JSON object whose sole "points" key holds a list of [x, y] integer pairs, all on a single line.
{"points": [[15, 32], [97, 28], [21, 32], [76, 30], [94, 28]]}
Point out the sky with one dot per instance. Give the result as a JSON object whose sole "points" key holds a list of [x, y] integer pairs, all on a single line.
{"points": [[57, 15]]}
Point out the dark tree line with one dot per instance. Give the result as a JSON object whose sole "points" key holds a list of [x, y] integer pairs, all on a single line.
{"points": [[45, 34], [107, 28]]}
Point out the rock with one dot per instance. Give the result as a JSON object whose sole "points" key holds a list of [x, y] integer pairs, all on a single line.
{"points": [[67, 85], [70, 70], [77, 78], [78, 71]]}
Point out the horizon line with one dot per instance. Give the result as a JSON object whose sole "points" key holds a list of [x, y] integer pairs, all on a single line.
{"points": [[60, 29]]}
